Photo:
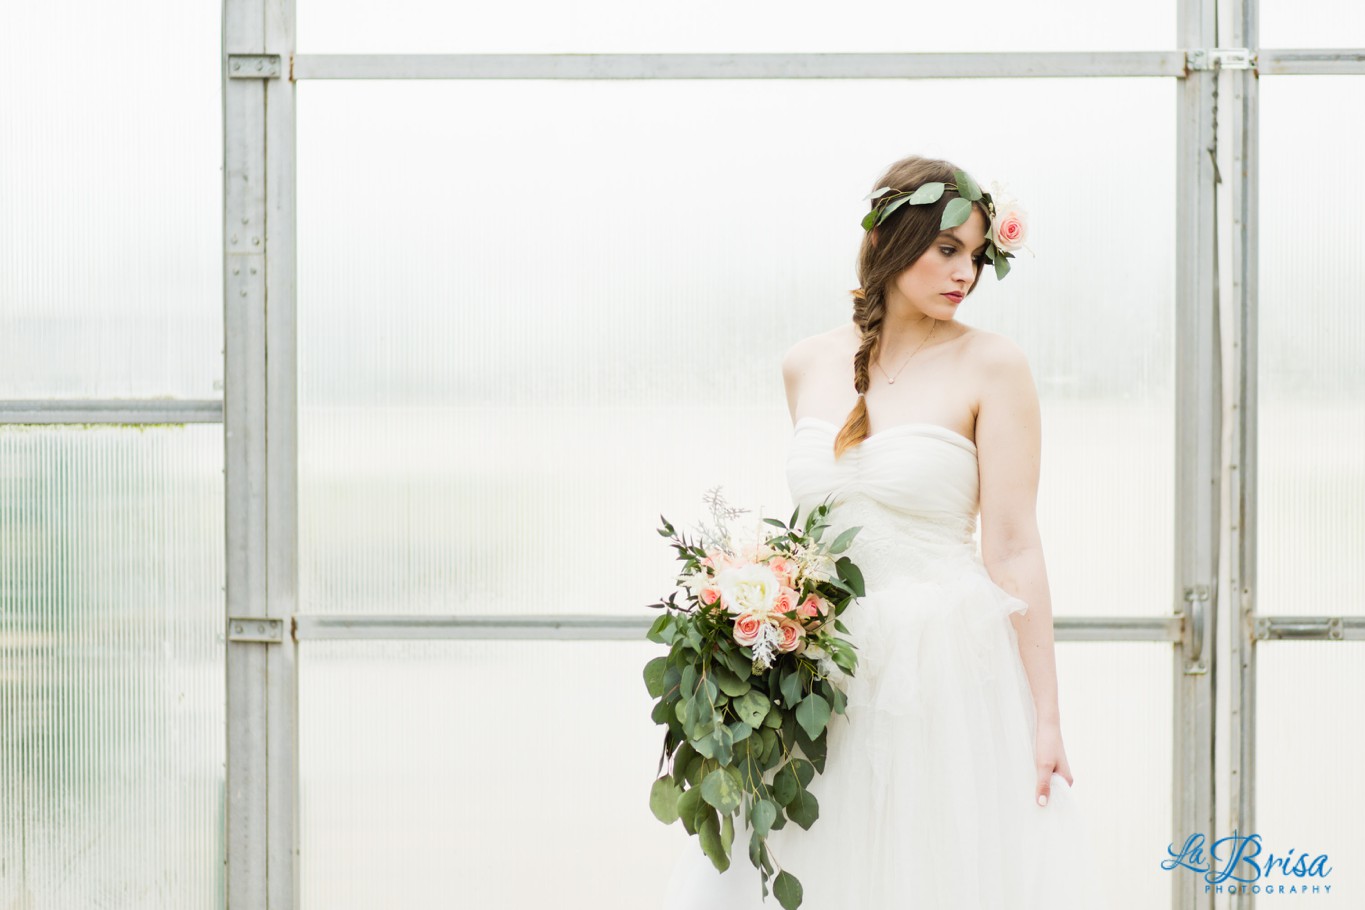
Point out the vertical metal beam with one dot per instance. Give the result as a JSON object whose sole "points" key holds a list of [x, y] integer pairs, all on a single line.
{"points": [[1245, 178], [281, 335], [1197, 447], [259, 453], [244, 456]]}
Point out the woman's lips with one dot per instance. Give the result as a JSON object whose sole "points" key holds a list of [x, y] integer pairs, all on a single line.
{"points": [[955, 298]]}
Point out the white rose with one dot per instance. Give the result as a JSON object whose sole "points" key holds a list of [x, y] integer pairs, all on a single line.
{"points": [[748, 589]]}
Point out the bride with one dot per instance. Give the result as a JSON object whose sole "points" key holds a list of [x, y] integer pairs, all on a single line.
{"points": [[947, 783]]}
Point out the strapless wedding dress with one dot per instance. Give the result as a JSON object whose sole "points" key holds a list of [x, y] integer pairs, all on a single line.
{"points": [[928, 795]]}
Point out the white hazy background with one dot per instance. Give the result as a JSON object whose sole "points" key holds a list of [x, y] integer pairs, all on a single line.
{"points": [[533, 316]]}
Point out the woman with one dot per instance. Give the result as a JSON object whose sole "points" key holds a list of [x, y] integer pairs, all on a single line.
{"points": [[946, 783]]}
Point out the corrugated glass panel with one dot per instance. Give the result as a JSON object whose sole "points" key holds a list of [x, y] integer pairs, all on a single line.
{"points": [[1310, 747], [1311, 23], [522, 339], [517, 774], [111, 184], [111, 668], [756, 26], [1311, 421]]}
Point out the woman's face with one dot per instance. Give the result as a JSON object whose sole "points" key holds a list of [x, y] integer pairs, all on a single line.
{"points": [[948, 265]]}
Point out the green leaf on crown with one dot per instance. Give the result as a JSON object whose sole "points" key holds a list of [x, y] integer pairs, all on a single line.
{"points": [[966, 186], [955, 213], [927, 192]]}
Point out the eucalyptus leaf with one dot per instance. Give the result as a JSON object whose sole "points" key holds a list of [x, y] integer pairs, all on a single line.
{"points": [[655, 632], [708, 832], [954, 213], [740, 731], [663, 799], [752, 707], [687, 809], [791, 690], [785, 786], [765, 812], [1002, 267], [728, 681], [851, 574], [787, 888], [718, 789], [966, 186], [927, 192], [803, 769], [892, 206], [844, 539], [804, 809], [654, 675], [878, 191]]}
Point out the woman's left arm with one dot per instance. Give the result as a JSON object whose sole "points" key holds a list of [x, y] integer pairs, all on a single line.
{"points": [[1009, 441]]}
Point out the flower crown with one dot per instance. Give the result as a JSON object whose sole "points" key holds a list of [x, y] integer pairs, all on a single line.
{"points": [[1008, 227]]}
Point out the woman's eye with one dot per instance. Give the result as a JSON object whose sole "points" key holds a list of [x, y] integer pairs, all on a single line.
{"points": [[947, 250]]}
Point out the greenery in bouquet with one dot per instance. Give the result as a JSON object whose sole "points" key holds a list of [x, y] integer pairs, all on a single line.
{"points": [[755, 669]]}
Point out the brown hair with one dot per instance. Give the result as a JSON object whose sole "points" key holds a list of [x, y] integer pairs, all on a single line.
{"points": [[887, 250]]}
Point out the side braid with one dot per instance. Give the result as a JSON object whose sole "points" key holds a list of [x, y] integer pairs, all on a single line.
{"points": [[869, 311]]}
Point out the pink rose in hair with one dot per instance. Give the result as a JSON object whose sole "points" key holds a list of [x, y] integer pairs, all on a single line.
{"points": [[1009, 232]]}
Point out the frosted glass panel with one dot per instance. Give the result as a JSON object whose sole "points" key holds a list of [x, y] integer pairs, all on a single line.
{"points": [[1311, 423], [478, 774], [516, 774], [619, 26], [111, 183], [522, 339], [1310, 748], [1115, 700], [111, 668], [1311, 23]]}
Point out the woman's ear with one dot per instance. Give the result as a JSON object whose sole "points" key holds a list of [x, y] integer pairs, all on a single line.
{"points": [[874, 236]]}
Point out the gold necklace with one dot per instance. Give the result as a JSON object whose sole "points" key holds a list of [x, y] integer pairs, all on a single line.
{"points": [[892, 379]]}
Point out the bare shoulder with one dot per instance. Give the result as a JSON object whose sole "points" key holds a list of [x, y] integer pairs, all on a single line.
{"points": [[995, 356], [812, 349], [809, 355]]}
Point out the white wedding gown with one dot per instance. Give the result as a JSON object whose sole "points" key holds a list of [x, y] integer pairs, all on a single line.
{"points": [[928, 795]]}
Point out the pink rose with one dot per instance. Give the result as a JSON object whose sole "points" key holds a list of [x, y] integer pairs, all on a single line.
{"points": [[783, 568], [1010, 230], [812, 607], [709, 595], [784, 600], [790, 635], [748, 628]]}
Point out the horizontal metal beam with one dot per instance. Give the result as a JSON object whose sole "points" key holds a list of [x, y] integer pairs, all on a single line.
{"points": [[738, 66], [316, 627], [112, 410], [1311, 62]]}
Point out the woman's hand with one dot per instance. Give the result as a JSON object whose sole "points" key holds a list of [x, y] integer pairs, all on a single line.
{"points": [[1050, 757]]}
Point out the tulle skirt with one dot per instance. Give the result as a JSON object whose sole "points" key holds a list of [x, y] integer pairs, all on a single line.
{"points": [[928, 794]]}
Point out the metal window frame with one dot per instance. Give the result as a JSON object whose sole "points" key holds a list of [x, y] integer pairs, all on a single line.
{"points": [[259, 409]]}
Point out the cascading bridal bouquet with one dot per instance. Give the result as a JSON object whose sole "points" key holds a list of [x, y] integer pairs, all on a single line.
{"points": [[754, 669]]}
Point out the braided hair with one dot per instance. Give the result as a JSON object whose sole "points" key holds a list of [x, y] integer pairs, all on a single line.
{"points": [[888, 250]]}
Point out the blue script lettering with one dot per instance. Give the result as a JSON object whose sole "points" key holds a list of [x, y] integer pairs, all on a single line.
{"points": [[1241, 850]]}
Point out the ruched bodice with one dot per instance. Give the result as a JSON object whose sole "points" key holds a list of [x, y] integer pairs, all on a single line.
{"points": [[912, 488]]}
